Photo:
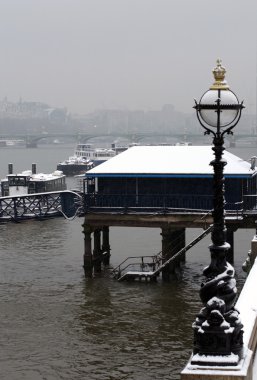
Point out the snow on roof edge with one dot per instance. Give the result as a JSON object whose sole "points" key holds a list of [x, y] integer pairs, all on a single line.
{"points": [[170, 161]]}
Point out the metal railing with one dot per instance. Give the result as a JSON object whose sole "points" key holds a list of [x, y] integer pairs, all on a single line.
{"points": [[138, 263], [40, 205], [154, 203], [143, 264], [250, 202]]}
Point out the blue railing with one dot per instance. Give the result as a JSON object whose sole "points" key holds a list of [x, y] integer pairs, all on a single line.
{"points": [[157, 202], [41, 205]]}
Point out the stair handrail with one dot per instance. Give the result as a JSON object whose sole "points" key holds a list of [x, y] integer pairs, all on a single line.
{"points": [[174, 257], [131, 257], [157, 257], [132, 264], [183, 250], [118, 270]]}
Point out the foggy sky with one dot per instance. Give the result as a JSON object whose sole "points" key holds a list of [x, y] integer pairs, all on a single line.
{"points": [[126, 54]]}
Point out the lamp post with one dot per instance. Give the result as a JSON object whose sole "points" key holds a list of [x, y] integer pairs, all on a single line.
{"points": [[218, 334]]}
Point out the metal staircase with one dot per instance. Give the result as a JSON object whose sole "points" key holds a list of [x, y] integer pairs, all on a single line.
{"points": [[149, 267]]}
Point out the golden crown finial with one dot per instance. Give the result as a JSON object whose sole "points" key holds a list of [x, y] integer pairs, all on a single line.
{"points": [[219, 75]]}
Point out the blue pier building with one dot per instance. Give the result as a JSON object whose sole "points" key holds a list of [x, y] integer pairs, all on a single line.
{"points": [[168, 178]]}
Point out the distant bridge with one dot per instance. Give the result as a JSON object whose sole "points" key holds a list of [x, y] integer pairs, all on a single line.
{"points": [[33, 139]]}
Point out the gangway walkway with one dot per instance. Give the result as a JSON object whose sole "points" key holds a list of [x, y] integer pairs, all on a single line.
{"points": [[40, 205], [151, 270]]}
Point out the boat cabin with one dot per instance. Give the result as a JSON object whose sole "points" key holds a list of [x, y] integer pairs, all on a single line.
{"points": [[97, 155], [158, 178]]}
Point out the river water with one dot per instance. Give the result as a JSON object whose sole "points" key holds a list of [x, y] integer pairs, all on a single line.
{"points": [[55, 324]]}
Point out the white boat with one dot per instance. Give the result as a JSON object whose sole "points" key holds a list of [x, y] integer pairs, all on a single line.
{"points": [[30, 182], [84, 158], [96, 155]]}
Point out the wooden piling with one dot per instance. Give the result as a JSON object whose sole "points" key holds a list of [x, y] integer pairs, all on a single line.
{"points": [[88, 261], [172, 241], [97, 253], [106, 246]]}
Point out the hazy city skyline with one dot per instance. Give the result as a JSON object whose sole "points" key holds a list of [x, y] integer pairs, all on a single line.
{"points": [[125, 54]]}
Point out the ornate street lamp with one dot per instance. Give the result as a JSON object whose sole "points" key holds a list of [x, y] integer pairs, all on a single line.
{"points": [[218, 334]]}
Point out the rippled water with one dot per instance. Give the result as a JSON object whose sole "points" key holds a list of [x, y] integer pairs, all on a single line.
{"points": [[55, 324]]}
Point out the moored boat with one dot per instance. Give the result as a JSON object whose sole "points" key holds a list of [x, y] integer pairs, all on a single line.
{"points": [[30, 182], [85, 157], [96, 155], [75, 165]]}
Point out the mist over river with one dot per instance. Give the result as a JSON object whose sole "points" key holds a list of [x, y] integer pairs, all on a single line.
{"points": [[56, 325]]}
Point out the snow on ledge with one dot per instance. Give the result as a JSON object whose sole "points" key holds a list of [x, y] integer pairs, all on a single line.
{"points": [[247, 305], [226, 359], [191, 372]]}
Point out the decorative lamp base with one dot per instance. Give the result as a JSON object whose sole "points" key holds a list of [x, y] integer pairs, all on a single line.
{"points": [[215, 360], [217, 334]]}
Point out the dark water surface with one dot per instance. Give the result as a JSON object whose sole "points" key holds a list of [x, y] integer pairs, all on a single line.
{"points": [[55, 324]]}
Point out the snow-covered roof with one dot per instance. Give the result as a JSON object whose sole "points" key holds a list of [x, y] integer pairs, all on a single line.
{"points": [[170, 161]]}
